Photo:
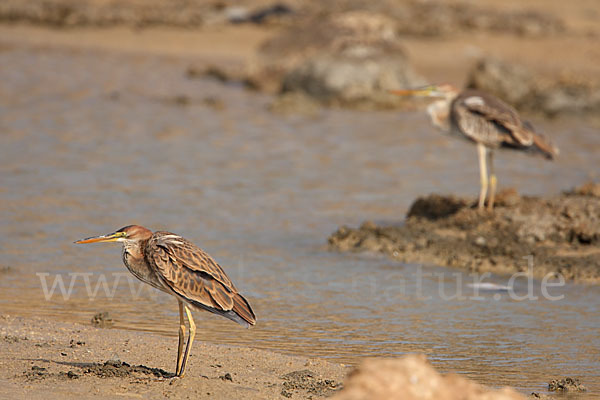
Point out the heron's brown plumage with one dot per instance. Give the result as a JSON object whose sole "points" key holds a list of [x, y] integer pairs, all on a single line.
{"points": [[486, 119], [193, 275]]}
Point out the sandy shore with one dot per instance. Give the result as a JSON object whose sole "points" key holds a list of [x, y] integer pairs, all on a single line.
{"points": [[73, 361]]}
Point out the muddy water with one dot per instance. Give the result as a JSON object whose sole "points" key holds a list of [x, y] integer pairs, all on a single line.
{"points": [[91, 142]]}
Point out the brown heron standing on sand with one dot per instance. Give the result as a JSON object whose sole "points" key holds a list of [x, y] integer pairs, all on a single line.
{"points": [[172, 264], [485, 120]]}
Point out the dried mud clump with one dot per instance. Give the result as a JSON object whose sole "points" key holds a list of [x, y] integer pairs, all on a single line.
{"points": [[412, 378], [589, 189], [308, 382], [566, 385], [561, 233], [118, 369], [102, 320], [435, 207]]}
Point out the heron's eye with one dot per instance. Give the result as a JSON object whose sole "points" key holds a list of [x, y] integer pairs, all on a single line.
{"points": [[121, 234]]}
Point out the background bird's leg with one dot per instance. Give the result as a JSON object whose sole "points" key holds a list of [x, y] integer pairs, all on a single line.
{"points": [[181, 338], [188, 347], [493, 182], [481, 151]]}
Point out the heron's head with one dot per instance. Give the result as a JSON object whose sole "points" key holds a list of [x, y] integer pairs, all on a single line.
{"points": [[130, 233], [444, 91], [439, 109]]}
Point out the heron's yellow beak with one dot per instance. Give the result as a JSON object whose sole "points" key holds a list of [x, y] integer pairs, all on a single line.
{"points": [[112, 237], [424, 91], [412, 92]]}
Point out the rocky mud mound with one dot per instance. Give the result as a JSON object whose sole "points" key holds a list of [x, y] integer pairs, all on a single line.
{"points": [[566, 385], [561, 233]]}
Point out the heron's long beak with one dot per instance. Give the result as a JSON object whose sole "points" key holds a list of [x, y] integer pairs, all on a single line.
{"points": [[111, 237], [410, 92], [425, 91]]}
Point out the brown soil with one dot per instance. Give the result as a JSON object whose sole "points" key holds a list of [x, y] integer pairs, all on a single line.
{"points": [[562, 234], [76, 361]]}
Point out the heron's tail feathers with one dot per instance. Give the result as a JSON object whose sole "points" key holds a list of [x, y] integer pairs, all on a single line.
{"points": [[242, 308], [541, 143], [545, 146]]}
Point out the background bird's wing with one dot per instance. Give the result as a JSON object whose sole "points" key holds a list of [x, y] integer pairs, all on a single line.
{"points": [[495, 118], [190, 272]]}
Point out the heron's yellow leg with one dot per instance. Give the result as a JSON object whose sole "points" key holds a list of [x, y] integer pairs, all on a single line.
{"points": [[181, 338], [493, 183], [188, 347], [481, 152]]}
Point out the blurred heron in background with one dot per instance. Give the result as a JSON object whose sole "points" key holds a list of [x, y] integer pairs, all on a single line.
{"points": [[175, 266], [486, 120]]}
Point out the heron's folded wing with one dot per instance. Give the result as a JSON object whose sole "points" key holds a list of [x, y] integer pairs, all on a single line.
{"points": [[190, 272], [501, 114]]}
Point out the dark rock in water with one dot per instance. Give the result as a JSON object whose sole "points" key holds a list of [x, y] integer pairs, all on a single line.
{"points": [[349, 59], [263, 14], [357, 77], [295, 103], [566, 385], [102, 320], [222, 73], [518, 87], [435, 206]]}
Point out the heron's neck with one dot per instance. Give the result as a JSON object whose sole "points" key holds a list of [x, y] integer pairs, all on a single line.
{"points": [[439, 112], [134, 249]]}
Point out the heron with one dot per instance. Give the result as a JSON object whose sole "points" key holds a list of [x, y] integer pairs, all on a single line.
{"points": [[485, 120], [174, 265]]}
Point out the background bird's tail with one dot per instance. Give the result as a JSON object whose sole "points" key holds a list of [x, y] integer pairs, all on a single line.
{"points": [[544, 145], [541, 144]]}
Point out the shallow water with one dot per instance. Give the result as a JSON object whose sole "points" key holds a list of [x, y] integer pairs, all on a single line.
{"points": [[91, 142]]}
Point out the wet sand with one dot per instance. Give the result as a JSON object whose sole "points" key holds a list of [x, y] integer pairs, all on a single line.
{"points": [[74, 361]]}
